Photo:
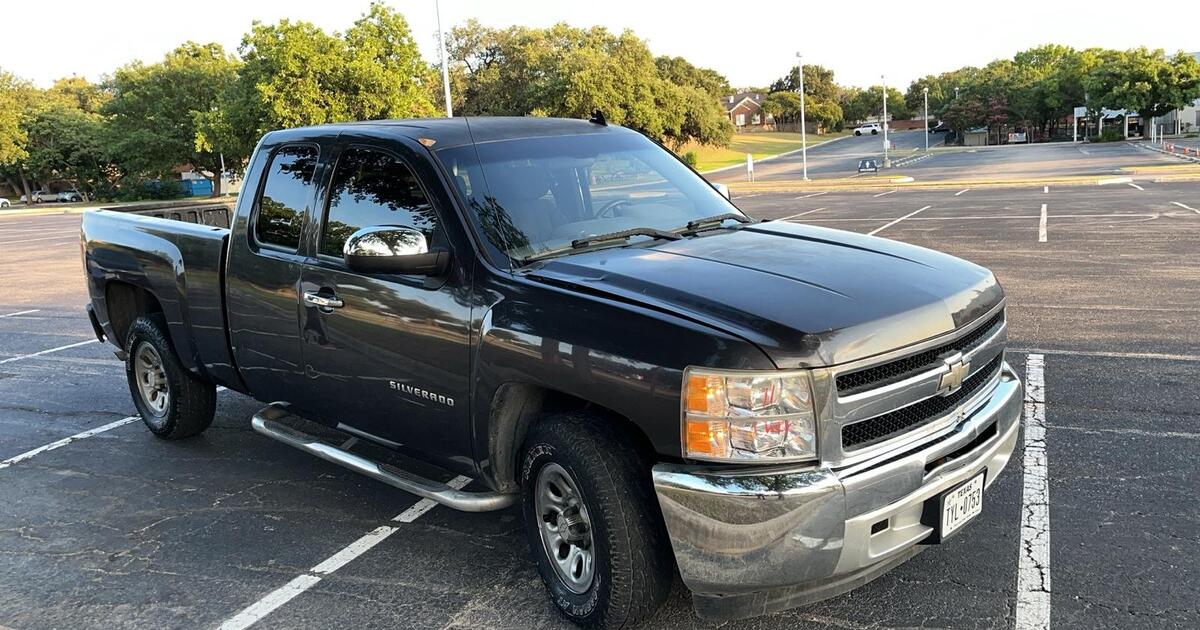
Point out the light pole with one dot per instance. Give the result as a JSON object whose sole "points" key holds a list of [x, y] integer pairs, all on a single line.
{"points": [[925, 90], [956, 92], [887, 163], [437, 7], [803, 131]]}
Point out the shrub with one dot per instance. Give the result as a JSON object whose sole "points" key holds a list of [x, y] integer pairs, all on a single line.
{"points": [[691, 159], [1109, 135]]}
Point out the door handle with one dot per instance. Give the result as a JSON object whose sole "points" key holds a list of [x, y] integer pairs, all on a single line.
{"points": [[321, 301]]}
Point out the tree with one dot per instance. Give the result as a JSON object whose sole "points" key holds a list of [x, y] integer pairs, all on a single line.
{"points": [[680, 71], [13, 97], [571, 72], [66, 142], [783, 106], [1142, 80], [859, 104], [295, 74], [156, 109], [818, 83]]}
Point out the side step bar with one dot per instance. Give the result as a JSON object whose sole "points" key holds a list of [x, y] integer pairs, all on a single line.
{"points": [[267, 423]]}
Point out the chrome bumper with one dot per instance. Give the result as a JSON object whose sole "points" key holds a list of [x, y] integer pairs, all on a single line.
{"points": [[754, 541]]}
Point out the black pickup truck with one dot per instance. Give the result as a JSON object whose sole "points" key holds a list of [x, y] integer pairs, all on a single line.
{"points": [[567, 314]]}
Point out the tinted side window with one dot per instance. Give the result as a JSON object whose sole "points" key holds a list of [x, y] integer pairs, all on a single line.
{"points": [[373, 188], [285, 195]]}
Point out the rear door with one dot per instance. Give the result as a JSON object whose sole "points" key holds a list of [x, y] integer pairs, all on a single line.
{"points": [[264, 274], [393, 360]]}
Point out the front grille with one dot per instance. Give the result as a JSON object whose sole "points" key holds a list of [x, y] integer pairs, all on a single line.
{"points": [[881, 428], [900, 369]]}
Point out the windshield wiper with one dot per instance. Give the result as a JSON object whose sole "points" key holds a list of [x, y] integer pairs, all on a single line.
{"points": [[599, 239], [698, 225]]}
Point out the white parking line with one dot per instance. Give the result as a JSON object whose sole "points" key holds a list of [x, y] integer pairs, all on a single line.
{"points": [[959, 192], [890, 224], [1185, 207], [1189, 358], [1130, 183], [800, 214], [1045, 189], [22, 357], [1033, 574], [65, 441], [258, 610], [888, 192], [1041, 225], [35, 310], [818, 194]]}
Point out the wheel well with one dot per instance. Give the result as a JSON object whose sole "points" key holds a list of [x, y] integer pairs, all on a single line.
{"points": [[518, 406], [126, 303]]}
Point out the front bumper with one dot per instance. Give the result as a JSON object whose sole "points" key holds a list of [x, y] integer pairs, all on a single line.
{"points": [[759, 540]]}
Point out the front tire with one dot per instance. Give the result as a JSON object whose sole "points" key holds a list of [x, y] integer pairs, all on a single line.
{"points": [[173, 402], [593, 522], [858, 133]]}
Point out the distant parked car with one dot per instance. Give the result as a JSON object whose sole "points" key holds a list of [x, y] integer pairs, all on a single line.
{"points": [[941, 127], [68, 196], [871, 128], [4, 203], [41, 196]]}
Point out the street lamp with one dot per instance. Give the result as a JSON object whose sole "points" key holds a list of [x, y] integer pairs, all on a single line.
{"points": [[956, 92], [925, 90], [886, 162], [803, 131], [445, 67]]}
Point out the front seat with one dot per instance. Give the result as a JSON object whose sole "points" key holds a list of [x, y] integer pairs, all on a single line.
{"points": [[522, 192]]}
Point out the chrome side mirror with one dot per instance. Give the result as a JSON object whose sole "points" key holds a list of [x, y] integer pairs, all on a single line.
{"points": [[723, 189], [393, 249]]}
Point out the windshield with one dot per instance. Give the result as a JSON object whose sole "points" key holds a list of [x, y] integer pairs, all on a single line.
{"points": [[535, 195]]}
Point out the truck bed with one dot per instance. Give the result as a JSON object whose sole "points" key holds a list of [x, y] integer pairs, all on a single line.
{"points": [[180, 264]]}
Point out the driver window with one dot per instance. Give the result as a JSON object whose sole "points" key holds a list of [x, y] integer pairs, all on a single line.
{"points": [[373, 188]]}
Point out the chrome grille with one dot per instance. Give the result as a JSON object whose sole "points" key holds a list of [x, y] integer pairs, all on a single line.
{"points": [[895, 371], [882, 428]]}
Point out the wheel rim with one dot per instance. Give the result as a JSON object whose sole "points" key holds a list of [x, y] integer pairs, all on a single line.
{"points": [[151, 380], [565, 528]]}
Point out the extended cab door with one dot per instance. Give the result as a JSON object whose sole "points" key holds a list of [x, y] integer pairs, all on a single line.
{"points": [[264, 271], [392, 359]]}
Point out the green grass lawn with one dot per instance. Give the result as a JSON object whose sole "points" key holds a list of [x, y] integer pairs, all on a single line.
{"points": [[760, 145]]}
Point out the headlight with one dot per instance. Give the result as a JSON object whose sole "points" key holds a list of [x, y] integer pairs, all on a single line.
{"points": [[731, 415]]}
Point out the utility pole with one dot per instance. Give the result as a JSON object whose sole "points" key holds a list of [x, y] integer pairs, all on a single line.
{"points": [[925, 90], [437, 7], [887, 163], [803, 131]]}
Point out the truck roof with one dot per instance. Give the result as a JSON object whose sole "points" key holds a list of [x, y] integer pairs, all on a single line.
{"points": [[451, 132]]}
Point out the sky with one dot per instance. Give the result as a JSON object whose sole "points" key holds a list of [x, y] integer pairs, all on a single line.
{"points": [[751, 46]]}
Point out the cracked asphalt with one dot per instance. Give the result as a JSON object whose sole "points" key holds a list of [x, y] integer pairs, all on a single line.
{"points": [[121, 530]]}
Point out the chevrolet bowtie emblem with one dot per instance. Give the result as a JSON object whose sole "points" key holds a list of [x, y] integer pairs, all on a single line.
{"points": [[953, 378]]}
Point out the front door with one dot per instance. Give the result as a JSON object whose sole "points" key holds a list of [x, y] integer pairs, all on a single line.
{"points": [[392, 361]]}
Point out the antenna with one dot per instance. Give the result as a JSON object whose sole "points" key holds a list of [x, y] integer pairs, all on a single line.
{"points": [[598, 118]]}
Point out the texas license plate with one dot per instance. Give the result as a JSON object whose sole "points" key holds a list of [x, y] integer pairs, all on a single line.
{"points": [[961, 505]]}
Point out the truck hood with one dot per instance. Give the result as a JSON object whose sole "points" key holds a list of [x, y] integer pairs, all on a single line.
{"points": [[807, 296]]}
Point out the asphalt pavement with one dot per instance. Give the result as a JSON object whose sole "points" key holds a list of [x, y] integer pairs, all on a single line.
{"points": [[116, 529]]}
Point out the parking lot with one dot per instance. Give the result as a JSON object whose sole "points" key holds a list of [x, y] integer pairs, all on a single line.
{"points": [[116, 529]]}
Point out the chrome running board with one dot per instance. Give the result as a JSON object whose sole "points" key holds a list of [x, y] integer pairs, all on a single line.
{"points": [[267, 423]]}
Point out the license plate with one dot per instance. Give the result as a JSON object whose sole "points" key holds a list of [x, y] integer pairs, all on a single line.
{"points": [[961, 505]]}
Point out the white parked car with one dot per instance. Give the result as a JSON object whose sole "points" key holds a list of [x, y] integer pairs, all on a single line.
{"points": [[871, 128], [4, 203], [42, 196]]}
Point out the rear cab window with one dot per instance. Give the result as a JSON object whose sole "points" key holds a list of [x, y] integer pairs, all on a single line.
{"points": [[285, 196]]}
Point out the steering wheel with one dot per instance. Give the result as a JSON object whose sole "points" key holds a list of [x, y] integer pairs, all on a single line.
{"points": [[611, 207]]}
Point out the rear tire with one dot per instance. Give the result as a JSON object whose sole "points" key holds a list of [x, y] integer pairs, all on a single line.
{"points": [[173, 402], [601, 547]]}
